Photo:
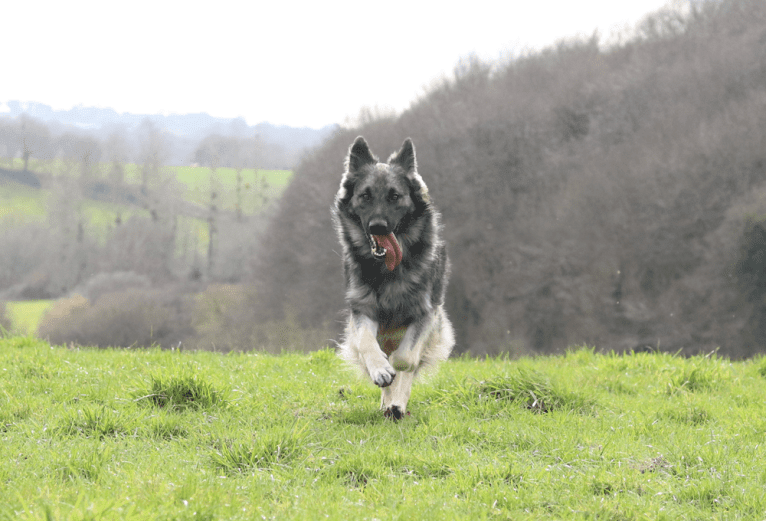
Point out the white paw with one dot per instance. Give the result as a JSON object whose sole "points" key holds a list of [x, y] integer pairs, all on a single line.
{"points": [[383, 376]]}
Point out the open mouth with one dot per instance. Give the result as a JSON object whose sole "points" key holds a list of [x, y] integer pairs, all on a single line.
{"points": [[378, 251], [386, 247]]}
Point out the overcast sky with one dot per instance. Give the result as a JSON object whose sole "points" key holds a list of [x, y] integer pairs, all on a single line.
{"points": [[293, 63]]}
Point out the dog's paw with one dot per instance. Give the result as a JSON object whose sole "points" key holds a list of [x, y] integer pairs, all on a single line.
{"points": [[395, 413], [384, 376]]}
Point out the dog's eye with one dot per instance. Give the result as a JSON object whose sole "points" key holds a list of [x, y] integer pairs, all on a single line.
{"points": [[366, 196], [393, 196]]}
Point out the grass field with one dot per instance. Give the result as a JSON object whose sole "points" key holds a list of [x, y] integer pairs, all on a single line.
{"points": [[258, 187], [20, 204], [149, 434], [26, 315]]}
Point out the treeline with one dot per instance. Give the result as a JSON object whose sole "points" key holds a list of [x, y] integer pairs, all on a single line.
{"points": [[153, 233], [31, 139], [608, 195], [40, 134]]}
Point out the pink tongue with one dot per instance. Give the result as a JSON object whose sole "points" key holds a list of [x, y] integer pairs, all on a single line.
{"points": [[393, 250]]}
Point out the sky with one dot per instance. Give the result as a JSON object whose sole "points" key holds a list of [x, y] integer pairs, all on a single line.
{"points": [[297, 63]]}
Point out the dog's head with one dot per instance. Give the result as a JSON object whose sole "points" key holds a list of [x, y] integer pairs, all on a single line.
{"points": [[382, 197]]}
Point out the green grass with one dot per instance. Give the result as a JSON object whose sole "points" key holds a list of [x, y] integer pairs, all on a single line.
{"points": [[25, 315], [150, 434], [257, 186], [21, 204]]}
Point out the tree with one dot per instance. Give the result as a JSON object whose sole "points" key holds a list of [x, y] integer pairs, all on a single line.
{"points": [[8, 140], [88, 151], [116, 150], [35, 140], [153, 153]]}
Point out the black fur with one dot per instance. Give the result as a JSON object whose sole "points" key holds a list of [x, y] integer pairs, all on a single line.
{"points": [[396, 307], [417, 286]]}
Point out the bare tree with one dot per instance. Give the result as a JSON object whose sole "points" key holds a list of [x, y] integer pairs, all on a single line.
{"points": [[240, 160], [116, 150], [88, 151], [153, 153], [35, 140], [8, 141]]}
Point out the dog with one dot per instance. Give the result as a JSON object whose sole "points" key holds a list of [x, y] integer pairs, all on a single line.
{"points": [[396, 269]]}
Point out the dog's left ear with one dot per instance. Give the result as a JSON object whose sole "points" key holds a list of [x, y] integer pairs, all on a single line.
{"points": [[405, 159]]}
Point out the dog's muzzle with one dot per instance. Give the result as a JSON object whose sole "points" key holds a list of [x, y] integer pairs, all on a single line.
{"points": [[378, 251], [387, 249]]}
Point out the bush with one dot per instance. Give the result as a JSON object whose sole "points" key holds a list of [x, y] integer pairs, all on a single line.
{"points": [[228, 317], [112, 282], [134, 317]]}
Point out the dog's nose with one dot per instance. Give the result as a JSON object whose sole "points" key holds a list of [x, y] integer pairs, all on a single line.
{"points": [[378, 227]]}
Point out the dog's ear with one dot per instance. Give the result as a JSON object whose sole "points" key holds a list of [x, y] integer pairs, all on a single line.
{"points": [[406, 160], [359, 155]]}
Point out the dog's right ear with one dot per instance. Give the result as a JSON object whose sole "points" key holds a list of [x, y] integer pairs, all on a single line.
{"points": [[359, 156]]}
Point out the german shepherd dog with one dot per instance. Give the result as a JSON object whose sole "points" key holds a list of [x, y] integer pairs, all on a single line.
{"points": [[396, 268]]}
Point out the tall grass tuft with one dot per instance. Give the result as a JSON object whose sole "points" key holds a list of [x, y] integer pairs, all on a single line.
{"points": [[94, 421], [534, 392], [86, 462], [180, 392], [703, 374], [267, 450]]}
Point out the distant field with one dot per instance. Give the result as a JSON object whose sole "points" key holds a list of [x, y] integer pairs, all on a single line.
{"points": [[150, 434], [258, 186], [26, 315], [20, 204]]}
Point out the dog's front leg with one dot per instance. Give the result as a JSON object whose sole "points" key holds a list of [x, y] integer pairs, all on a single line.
{"points": [[409, 353], [363, 338], [394, 398], [406, 361]]}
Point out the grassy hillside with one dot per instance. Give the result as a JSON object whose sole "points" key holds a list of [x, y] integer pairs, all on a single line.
{"points": [[149, 434], [20, 204], [165, 229], [25, 316], [258, 186]]}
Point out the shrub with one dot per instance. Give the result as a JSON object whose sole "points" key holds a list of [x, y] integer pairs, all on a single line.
{"points": [[135, 317], [112, 282], [228, 317]]}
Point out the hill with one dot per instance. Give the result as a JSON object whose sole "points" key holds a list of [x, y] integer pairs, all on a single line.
{"points": [[184, 131], [151, 434], [608, 195]]}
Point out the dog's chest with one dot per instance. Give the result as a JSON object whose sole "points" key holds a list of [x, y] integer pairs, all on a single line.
{"points": [[389, 338], [400, 302], [393, 293]]}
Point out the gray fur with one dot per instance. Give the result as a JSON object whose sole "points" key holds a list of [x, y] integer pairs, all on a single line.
{"points": [[394, 196]]}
